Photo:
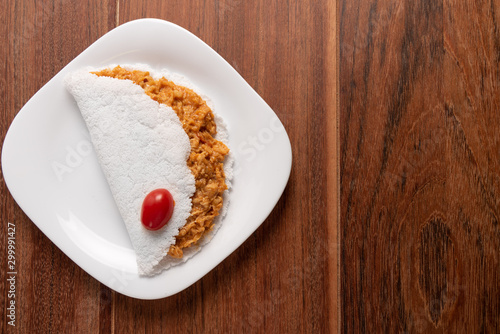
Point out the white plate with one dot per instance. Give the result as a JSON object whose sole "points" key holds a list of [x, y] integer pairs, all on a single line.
{"points": [[53, 174]]}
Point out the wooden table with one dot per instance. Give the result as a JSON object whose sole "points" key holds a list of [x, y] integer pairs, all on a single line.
{"points": [[389, 222]]}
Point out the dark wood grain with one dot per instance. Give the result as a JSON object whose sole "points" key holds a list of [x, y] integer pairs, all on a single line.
{"points": [[419, 166], [284, 277]]}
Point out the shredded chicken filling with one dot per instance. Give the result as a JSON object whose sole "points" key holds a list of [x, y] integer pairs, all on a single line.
{"points": [[207, 154]]}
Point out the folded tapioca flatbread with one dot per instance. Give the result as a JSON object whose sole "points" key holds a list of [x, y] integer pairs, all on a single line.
{"points": [[141, 145]]}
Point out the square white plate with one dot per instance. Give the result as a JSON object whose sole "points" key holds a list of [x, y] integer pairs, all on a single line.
{"points": [[52, 172]]}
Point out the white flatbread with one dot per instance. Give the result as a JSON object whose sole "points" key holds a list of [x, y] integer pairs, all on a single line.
{"points": [[141, 146]]}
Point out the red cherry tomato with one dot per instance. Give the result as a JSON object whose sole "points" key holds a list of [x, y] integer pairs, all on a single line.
{"points": [[157, 209]]}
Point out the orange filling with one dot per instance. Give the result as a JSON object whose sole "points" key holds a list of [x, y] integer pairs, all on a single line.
{"points": [[207, 154]]}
